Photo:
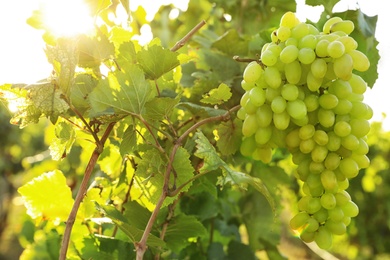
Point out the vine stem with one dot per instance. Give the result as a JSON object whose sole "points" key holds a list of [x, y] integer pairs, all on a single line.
{"points": [[185, 39], [82, 191], [141, 245]]}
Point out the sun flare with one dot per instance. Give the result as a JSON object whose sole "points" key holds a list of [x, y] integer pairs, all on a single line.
{"points": [[67, 18]]}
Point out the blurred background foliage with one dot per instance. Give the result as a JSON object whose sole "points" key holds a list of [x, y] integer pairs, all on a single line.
{"points": [[242, 224]]}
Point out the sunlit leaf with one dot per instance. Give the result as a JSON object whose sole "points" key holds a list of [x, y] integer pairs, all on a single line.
{"points": [[218, 95], [155, 61], [63, 141], [47, 196], [94, 50], [207, 152], [123, 92], [231, 43], [229, 136], [110, 160], [83, 86], [160, 108], [129, 141]]}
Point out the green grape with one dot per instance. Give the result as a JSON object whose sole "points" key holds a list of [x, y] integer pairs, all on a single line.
{"points": [[350, 209], [330, 75], [248, 146], [249, 127], [334, 142], [322, 48], [314, 205], [323, 238], [263, 154], [343, 67], [345, 26], [306, 55], [275, 48], [299, 31], [316, 167], [293, 72], [303, 169], [336, 214], [313, 83], [347, 220], [321, 216], [328, 200], [313, 30], [289, 20], [257, 96], [311, 102], [336, 49], [299, 220], [268, 58], [362, 160], [329, 181], [358, 84], [328, 24], [291, 41], [296, 109], [349, 167], [289, 54], [318, 68], [271, 94], [264, 115], [241, 113], [319, 153], [250, 108], [342, 128], [343, 107], [263, 135], [342, 198], [292, 139], [320, 137], [332, 161], [290, 92], [337, 228], [362, 148], [308, 41], [281, 120], [326, 117], [312, 225], [278, 104], [252, 72], [306, 132], [360, 127], [274, 37], [360, 60], [244, 99], [349, 43], [343, 184], [283, 33], [307, 237], [328, 101], [272, 77], [247, 86], [303, 203], [350, 142], [301, 121]]}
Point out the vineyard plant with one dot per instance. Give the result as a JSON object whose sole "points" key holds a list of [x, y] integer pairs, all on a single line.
{"points": [[238, 132]]}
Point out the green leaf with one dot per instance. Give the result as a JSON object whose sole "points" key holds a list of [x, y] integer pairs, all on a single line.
{"points": [[126, 54], [237, 250], [328, 5], [63, 140], [218, 95], [156, 61], [231, 43], [94, 50], [213, 161], [110, 161], [83, 86], [160, 108], [229, 136], [123, 92], [47, 197], [64, 58], [180, 229], [132, 232], [129, 141], [201, 111]]}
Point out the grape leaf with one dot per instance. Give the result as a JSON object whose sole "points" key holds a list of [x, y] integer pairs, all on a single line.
{"points": [[201, 111], [156, 61], [47, 197], [63, 140], [129, 141], [122, 92], [231, 43], [229, 136], [132, 232], [218, 95], [213, 161], [64, 58], [126, 54], [110, 161], [84, 84], [160, 108], [92, 51], [180, 229]]}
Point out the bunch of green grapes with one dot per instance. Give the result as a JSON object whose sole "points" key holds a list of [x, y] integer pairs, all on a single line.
{"points": [[302, 94]]}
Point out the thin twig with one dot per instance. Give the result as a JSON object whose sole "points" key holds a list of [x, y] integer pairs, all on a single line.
{"points": [[82, 191], [188, 36]]}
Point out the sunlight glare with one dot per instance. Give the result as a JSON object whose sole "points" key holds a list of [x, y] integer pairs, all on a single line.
{"points": [[67, 18]]}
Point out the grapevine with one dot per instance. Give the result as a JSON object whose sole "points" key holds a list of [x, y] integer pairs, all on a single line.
{"points": [[303, 95]]}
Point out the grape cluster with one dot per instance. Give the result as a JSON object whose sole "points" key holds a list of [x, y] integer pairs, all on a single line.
{"points": [[303, 95]]}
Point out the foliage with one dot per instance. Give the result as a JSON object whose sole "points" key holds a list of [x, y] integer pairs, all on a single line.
{"points": [[157, 141]]}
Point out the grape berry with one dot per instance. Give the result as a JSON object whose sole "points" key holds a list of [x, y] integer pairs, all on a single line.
{"points": [[303, 95]]}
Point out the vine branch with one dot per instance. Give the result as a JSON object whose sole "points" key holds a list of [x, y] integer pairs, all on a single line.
{"points": [[188, 36], [141, 245], [82, 191]]}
